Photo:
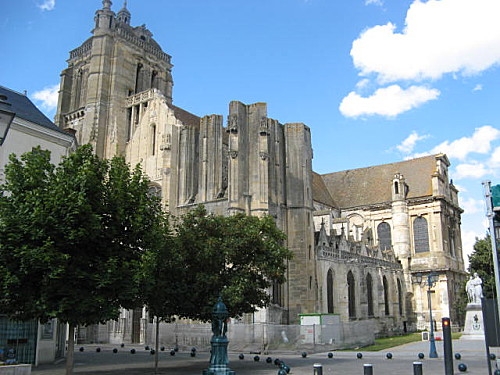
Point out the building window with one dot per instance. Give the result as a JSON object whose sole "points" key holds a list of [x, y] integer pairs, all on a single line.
{"points": [[451, 235], [351, 291], [386, 295], [384, 236], [329, 291], [421, 235], [138, 78], [153, 139], [400, 298], [369, 294], [277, 295]]}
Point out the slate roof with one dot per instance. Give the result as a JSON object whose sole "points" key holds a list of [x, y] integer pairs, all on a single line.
{"points": [[22, 106], [320, 191], [373, 185], [187, 118]]}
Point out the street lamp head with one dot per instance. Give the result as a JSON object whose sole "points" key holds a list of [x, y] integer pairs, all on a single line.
{"points": [[416, 278], [6, 117], [432, 279]]}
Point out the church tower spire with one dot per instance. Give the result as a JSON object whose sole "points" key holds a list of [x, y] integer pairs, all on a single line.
{"points": [[98, 99], [124, 15]]}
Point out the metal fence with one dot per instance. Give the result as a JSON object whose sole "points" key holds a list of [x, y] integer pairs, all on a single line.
{"points": [[255, 338]]}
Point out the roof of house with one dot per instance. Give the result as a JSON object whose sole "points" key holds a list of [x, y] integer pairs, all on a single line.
{"points": [[372, 185], [22, 106]]}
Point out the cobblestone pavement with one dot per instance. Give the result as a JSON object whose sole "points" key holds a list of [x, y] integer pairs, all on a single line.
{"points": [[105, 362]]}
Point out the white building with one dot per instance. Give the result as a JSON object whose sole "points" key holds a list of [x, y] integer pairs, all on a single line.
{"points": [[33, 342]]}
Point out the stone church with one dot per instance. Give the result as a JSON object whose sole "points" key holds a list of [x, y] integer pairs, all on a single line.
{"points": [[357, 236]]}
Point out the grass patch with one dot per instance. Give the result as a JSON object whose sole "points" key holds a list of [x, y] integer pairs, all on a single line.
{"points": [[389, 342]]}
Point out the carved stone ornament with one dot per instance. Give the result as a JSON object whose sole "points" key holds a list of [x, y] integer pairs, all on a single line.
{"points": [[264, 127], [233, 154], [232, 124], [263, 155]]}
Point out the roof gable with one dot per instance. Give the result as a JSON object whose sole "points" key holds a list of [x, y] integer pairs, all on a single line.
{"points": [[24, 108], [372, 185]]}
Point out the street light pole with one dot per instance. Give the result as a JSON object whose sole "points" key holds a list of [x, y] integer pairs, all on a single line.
{"points": [[432, 341], [493, 236], [418, 279]]}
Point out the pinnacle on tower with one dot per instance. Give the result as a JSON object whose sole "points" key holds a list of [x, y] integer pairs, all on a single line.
{"points": [[106, 4], [124, 14]]}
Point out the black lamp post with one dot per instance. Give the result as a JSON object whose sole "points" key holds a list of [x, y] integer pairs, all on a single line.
{"points": [[431, 280], [6, 117]]}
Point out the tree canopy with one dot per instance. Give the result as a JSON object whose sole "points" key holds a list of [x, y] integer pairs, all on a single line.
{"points": [[81, 240], [204, 255], [72, 237]]}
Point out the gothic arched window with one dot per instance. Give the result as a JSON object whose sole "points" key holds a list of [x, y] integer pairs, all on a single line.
{"points": [[153, 139], [384, 236], [400, 298], [369, 294], [351, 291], [386, 295], [329, 291], [420, 235]]}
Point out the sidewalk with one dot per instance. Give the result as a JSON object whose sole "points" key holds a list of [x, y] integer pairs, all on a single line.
{"points": [[473, 355]]}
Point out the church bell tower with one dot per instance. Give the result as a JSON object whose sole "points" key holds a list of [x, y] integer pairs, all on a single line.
{"points": [[107, 79]]}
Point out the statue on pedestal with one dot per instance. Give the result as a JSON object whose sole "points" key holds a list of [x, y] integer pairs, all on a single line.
{"points": [[474, 327], [474, 288]]}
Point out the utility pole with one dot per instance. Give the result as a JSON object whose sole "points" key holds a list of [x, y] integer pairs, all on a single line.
{"points": [[493, 235]]}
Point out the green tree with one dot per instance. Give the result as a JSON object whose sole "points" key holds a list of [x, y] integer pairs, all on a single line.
{"points": [[481, 261], [237, 257], [205, 255], [72, 237], [162, 281]]}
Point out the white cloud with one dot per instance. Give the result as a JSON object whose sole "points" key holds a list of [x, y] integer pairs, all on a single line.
{"points": [[478, 87], [468, 242], [495, 158], [471, 205], [439, 37], [408, 144], [364, 83], [389, 101], [479, 142], [47, 5], [47, 98], [461, 188], [473, 169], [374, 2]]}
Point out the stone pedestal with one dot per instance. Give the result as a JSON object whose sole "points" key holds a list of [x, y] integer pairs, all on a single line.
{"points": [[218, 359], [474, 324]]}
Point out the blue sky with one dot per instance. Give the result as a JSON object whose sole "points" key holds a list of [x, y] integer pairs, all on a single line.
{"points": [[378, 81]]}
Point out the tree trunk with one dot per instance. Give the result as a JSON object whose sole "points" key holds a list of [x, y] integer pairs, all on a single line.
{"points": [[157, 342], [71, 349]]}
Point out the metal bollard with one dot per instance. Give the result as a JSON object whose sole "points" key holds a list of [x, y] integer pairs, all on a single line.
{"points": [[318, 369], [367, 369], [417, 368]]}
